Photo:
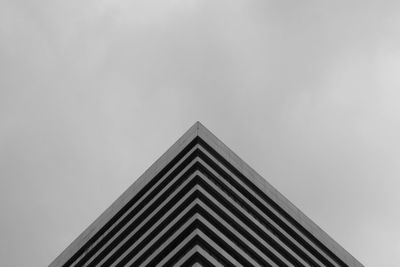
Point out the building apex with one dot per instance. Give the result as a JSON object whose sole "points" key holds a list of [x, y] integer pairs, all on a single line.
{"points": [[199, 202]]}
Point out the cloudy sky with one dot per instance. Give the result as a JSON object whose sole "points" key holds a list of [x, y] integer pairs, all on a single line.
{"points": [[93, 92]]}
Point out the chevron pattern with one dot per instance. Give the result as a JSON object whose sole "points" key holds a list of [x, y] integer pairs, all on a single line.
{"points": [[200, 210]]}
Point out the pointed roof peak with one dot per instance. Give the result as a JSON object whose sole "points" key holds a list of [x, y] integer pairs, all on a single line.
{"points": [[197, 126], [226, 179]]}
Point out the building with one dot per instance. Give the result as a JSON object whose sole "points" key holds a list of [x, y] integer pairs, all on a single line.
{"points": [[201, 205]]}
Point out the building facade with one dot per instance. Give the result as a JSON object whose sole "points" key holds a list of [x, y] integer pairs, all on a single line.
{"points": [[201, 205]]}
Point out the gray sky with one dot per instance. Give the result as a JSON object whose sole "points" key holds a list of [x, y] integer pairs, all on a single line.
{"points": [[93, 92]]}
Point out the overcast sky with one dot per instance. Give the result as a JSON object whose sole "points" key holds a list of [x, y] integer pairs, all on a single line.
{"points": [[93, 92]]}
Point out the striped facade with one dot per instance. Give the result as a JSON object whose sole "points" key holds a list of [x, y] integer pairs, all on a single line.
{"points": [[201, 205]]}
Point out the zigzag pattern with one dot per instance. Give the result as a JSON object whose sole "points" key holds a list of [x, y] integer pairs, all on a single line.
{"points": [[199, 210]]}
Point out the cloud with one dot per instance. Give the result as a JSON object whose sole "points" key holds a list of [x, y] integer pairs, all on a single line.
{"points": [[92, 92]]}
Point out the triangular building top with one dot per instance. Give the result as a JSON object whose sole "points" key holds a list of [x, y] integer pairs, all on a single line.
{"points": [[199, 204]]}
